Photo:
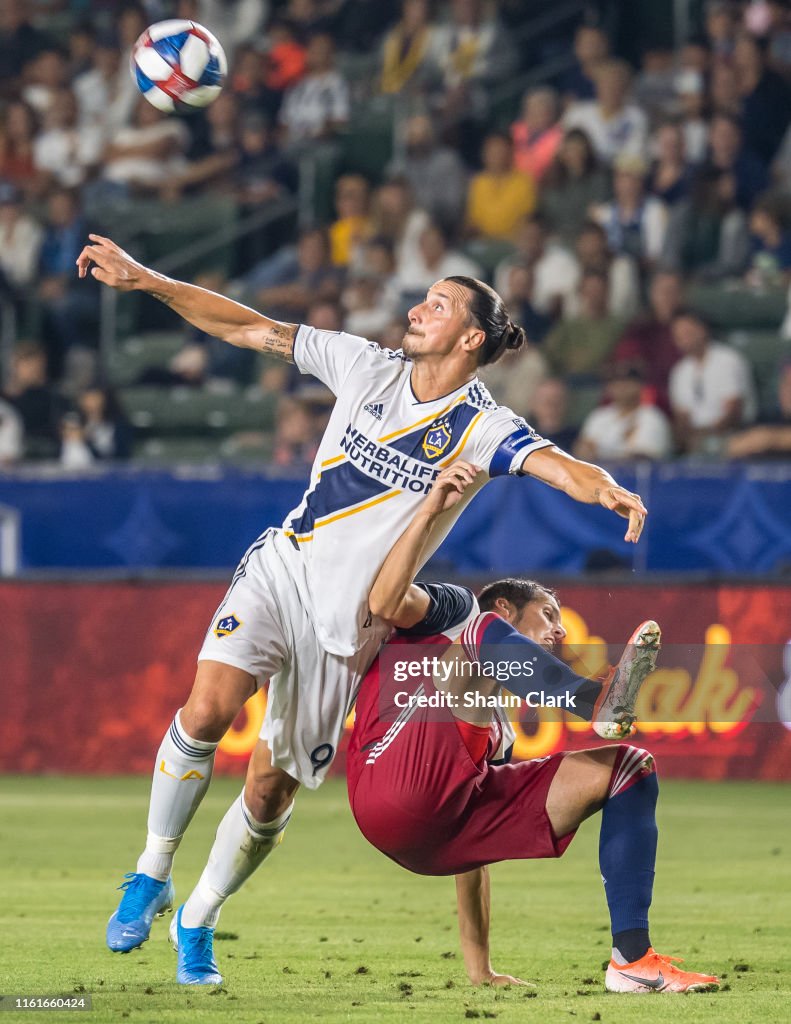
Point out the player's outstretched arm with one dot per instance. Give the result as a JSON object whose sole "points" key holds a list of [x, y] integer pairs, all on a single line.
{"points": [[473, 896], [393, 596], [215, 314], [589, 484]]}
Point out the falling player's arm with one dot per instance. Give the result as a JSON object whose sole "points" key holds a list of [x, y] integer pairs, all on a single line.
{"points": [[209, 312], [394, 597], [587, 483], [473, 899]]}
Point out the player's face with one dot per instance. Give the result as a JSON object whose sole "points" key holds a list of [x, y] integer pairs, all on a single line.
{"points": [[436, 324], [539, 621]]}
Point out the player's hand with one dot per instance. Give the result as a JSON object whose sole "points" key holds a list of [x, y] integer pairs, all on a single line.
{"points": [[629, 506], [498, 980], [449, 487], [112, 266]]}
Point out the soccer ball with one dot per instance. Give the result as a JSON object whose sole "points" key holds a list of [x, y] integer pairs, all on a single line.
{"points": [[178, 65]]}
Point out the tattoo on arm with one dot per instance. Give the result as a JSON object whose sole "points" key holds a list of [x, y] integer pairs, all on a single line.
{"points": [[278, 340], [597, 494]]}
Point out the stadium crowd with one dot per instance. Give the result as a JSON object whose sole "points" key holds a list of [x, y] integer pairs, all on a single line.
{"points": [[636, 218]]}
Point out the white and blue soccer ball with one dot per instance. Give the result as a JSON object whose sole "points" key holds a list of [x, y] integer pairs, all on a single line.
{"points": [[178, 65]]}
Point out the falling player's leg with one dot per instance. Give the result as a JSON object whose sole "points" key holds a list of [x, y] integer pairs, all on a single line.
{"points": [[182, 772], [622, 781], [251, 829]]}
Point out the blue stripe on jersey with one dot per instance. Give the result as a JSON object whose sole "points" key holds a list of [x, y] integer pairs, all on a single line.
{"points": [[504, 456], [169, 48], [337, 489], [457, 421]]}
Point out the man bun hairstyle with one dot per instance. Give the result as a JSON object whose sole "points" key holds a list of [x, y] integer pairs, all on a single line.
{"points": [[487, 311]]}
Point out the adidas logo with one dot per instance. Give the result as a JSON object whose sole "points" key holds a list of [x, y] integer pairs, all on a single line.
{"points": [[375, 409]]}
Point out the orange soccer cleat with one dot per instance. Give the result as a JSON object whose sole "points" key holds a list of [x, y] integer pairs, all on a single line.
{"points": [[655, 973]]}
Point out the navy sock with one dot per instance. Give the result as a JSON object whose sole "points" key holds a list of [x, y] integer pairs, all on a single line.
{"points": [[627, 849]]}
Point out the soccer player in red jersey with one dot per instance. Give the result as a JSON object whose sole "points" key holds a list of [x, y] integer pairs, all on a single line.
{"points": [[423, 785]]}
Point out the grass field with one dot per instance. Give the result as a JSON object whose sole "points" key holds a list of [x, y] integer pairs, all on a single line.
{"points": [[330, 930]]}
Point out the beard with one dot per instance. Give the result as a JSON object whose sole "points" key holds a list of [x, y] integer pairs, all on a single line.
{"points": [[409, 345]]}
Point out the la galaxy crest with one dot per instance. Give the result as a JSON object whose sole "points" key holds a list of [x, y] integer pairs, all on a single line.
{"points": [[226, 625], [437, 440]]}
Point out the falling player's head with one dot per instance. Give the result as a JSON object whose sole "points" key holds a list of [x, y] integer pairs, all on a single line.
{"points": [[532, 609], [464, 316]]}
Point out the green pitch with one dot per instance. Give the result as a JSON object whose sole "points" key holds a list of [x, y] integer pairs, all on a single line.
{"points": [[330, 930]]}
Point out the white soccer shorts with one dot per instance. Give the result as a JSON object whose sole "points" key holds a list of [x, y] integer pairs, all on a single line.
{"points": [[263, 627]]}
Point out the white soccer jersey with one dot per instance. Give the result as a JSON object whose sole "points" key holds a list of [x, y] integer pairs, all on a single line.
{"points": [[379, 456]]}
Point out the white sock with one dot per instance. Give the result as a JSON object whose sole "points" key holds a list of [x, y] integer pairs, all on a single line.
{"points": [[241, 845], [181, 777]]}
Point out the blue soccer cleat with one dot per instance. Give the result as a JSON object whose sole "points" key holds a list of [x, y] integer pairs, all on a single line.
{"points": [[195, 947], [144, 898]]}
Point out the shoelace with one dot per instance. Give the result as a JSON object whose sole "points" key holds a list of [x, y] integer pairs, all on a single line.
{"points": [[136, 897], [200, 952], [667, 961]]}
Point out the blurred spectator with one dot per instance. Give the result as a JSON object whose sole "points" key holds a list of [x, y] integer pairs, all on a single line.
{"points": [[470, 52], [707, 234], [635, 222], [537, 134], [148, 154], [45, 79], [613, 124], [70, 305], [297, 434], [766, 99], [648, 341], [655, 86], [594, 254], [711, 387], [436, 260], [695, 55], [550, 413], [770, 264], [286, 286], [573, 183], [519, 294], [720, 27], [771, 436], [12, 431], [66, 151], [285, 57], [624, 428], [370, 298], [248, 82], [671, 173], [407, 49], [395, 217], [75, 452], [581, 344], [234, 22], [499, 196], [262, 173], [591, 47], [81, 45], [352, 198], [515, 377], [742, 175], [20, 42], [106, 429], [318, 105], [32, 395], [554, 269], [105, 97], [20, 241], [779, 36], [17, 140], [435, 172], [691, 96], [724, 90], [213, 155]]}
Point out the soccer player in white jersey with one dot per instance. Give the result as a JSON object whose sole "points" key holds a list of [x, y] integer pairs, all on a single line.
{"points": [[296, 612]]}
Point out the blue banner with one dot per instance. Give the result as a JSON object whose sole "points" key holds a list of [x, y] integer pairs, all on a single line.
{"points": [[704, 518]]}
